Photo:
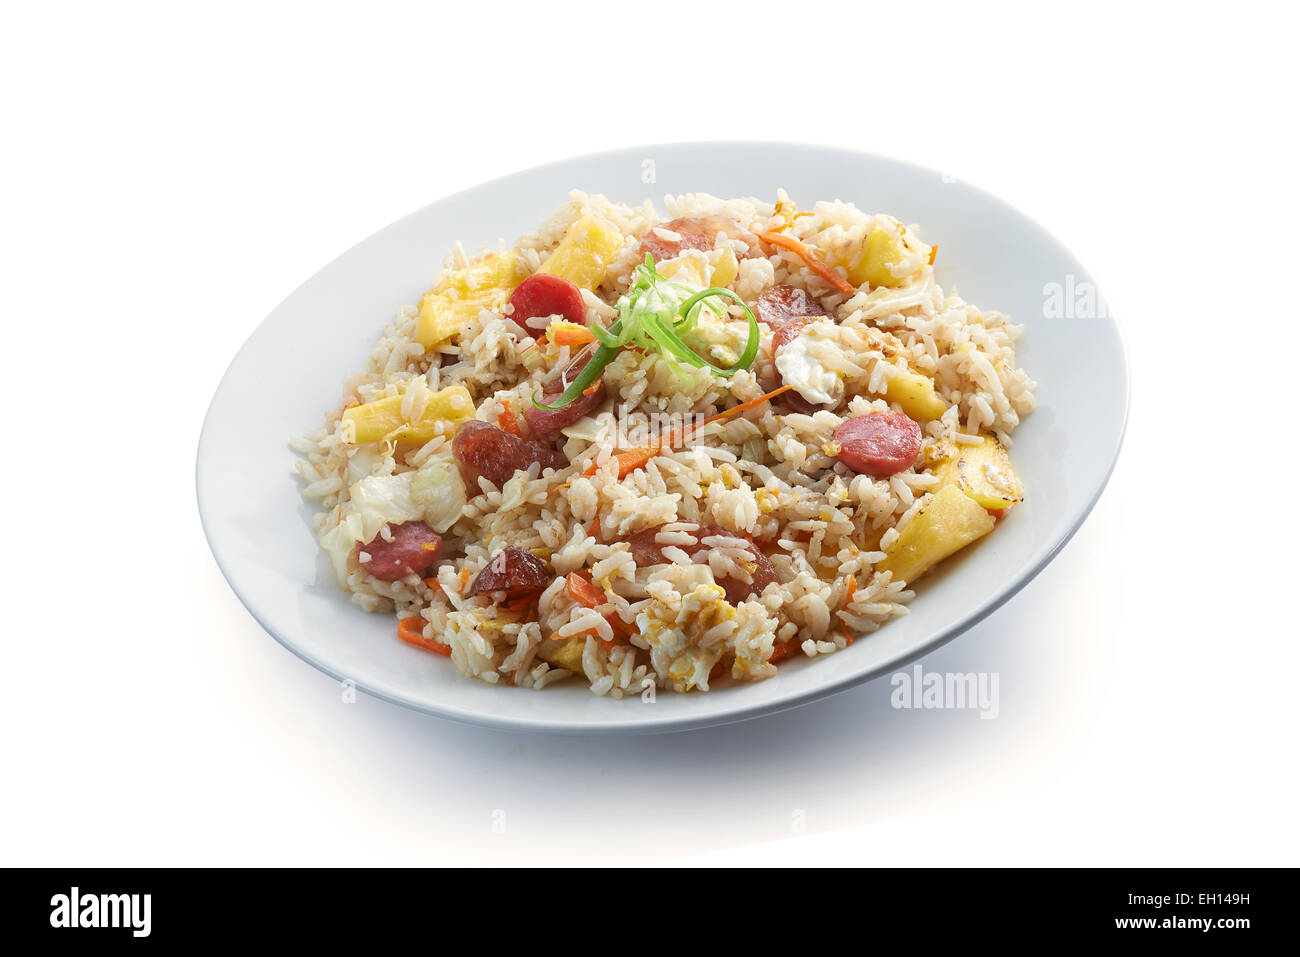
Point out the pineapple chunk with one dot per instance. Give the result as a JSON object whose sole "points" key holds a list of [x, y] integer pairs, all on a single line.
{"points": [[442, 317], [948, 523], [871, 264], [567, 654], [915, 393], [693, 267], [984, 473], [683, 269], [726, 270], [382, 420], [493, 270], [457, 298], [585, 252]]}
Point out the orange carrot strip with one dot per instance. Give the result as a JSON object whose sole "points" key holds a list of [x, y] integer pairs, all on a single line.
{"points": [[571, 336], [630, 461], [605, 643], [784, 650], [810, 259], [622, 629], [584, 592], [411, 631], [934, 251], [735, 410], [525, 605], [506, 419]]}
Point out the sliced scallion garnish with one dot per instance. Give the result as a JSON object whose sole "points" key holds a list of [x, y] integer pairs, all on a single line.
{"points": [[656, 313]]}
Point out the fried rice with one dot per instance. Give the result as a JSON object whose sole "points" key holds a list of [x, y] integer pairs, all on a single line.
{"points": [[634, 567]]}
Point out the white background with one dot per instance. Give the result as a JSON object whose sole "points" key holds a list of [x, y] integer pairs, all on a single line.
{"points": [[169, 175]]}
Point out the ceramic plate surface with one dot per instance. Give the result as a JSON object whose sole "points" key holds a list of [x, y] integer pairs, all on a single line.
{"points": [[289, 371]]}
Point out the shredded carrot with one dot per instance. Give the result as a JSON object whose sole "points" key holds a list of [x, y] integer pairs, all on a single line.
{"points": [[784, 650], [934, 251], [848, 637], [584, 592], [411, 631], [630, 461], [433, 583], [606, 643], [735, 410], [506, 419], [572, 336], [594, 527], [809, 258], [524, 605], [464, 579], [783, 210]]}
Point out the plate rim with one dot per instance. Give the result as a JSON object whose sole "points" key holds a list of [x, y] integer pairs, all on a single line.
{"points": [[679, 723]]}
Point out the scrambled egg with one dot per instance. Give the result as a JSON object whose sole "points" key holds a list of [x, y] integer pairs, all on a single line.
{"points": [[687, 639], [800, 367]]}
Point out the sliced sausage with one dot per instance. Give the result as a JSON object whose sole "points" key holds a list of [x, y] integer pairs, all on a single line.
{"points": [[879, 443], [780, 304], [549, 422], [647, 551], [513, 573], [542, 294], [484, 450], [701, 233], [413, 550]]}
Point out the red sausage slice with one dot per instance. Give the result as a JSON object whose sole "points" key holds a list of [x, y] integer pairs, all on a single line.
{"points": [[406, 554], [514, 573], [787, 309], [549, 422], [483, 449], [542, 294], [701, 233], [647, 551], [780, 304], [878, 444]]}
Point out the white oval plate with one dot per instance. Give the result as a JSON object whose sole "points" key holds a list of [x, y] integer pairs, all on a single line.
{"points": [[288, 374]]}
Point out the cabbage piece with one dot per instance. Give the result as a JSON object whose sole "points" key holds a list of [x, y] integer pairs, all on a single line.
{"points": [[340, 544], [439, 491], [380, 499], [375, 501]]}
